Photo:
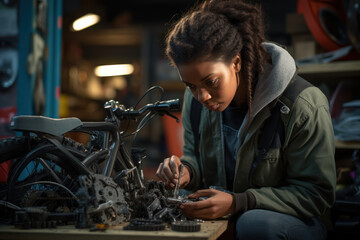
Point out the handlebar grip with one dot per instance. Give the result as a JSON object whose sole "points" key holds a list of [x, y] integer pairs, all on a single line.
{"points": [[170, 105], [165, 106]]}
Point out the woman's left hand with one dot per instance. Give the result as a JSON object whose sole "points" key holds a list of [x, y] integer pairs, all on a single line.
{"points": [[218, 204]]}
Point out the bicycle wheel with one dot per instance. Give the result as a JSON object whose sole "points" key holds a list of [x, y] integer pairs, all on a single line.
{"points": [[13, 148], [39, 175]]}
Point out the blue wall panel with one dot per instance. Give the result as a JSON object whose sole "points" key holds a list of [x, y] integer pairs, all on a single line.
{"points": [[50, 39]]}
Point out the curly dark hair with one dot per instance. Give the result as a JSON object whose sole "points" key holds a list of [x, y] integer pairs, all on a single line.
{"points": [[220, 30]]}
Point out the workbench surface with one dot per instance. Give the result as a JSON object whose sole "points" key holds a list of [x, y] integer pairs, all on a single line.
{"points": [[209, 230]]}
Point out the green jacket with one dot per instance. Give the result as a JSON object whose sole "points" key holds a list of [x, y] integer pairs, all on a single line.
{"points": [[298, 179]]}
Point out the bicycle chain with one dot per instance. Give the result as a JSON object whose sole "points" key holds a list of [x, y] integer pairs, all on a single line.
{"points": [[142, 224]]}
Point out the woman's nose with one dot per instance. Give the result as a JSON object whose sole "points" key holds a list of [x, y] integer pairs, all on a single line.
{"points": [[203, 95]]}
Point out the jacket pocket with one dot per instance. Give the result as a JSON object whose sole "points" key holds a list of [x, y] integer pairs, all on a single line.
{"points": [[270, 171]]}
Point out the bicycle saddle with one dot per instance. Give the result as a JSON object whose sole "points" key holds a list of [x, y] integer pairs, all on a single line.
{"points": [[41, 124]]}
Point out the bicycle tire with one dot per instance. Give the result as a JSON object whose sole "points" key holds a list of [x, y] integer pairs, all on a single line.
{"points": [[45, 191], [14, 148], [47, 166], [39, 189], [17, 148]]}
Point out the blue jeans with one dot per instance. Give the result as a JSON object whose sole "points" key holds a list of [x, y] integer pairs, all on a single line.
{"points": [[265, 224]]}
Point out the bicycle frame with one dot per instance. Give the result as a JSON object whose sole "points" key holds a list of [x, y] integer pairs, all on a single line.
{"points": [[56, 158], [113, 144]]}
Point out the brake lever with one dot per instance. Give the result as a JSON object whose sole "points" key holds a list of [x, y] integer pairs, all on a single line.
{"points": [[171, 115]]}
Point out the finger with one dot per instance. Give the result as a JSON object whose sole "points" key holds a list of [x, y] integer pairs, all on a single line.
{"points": [[163, 174], [185, 177], [197, 205], [173, 166], [202, 193], [163, 171], [158, 171], [169, 174]]}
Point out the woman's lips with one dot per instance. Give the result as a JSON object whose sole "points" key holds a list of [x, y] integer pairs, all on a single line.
{"points": [[212, 107]]}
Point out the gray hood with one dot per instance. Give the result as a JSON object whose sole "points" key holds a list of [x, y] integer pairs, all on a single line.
{"points": [[274, 80]]}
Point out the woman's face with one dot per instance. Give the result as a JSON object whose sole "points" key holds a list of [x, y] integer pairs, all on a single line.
{"points": [[213, 83]]}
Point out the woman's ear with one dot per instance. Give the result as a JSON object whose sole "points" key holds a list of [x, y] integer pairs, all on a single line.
{"points": [[237, 63]]}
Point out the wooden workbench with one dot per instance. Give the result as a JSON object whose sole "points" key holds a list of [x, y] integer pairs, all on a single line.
{"points": [[209, 230]]}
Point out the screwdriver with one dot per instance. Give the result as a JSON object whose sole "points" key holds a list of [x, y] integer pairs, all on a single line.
{"points": [[176, 190]]}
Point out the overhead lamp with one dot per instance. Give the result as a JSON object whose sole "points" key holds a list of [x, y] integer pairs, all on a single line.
{"points": [[85, 21], [114, 70]]}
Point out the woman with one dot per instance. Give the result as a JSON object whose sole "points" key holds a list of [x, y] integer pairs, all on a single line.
{"points": [[221, 55]]}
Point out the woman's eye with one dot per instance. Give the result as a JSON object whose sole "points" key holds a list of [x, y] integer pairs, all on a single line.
{"points": [[212, 82], [191, 87]]}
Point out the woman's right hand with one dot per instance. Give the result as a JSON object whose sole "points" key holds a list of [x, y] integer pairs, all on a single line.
{"points": [[168, 172]]}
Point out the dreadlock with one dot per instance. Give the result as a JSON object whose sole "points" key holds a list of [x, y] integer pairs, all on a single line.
{"points": [[220, 30]]}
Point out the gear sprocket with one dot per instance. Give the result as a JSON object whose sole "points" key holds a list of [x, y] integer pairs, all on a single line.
{"points": [[185, 226]]}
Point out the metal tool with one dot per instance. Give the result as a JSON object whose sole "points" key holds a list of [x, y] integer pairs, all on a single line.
{"points": [[172, 200], [176, 190]]}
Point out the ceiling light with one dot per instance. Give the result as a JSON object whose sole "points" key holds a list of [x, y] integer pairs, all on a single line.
{"points": [[114, 70], [85, 21]]}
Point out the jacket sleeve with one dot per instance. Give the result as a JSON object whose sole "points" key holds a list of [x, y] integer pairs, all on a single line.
{"points": [[309, 187], [189, 157]]}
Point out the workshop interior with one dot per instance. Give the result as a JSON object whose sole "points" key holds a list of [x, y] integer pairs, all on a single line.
{"points": [[88, 80]]}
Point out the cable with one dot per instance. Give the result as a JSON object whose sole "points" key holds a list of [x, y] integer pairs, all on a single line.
{"points": [[147, 117], [141, 125], [147, 92]]}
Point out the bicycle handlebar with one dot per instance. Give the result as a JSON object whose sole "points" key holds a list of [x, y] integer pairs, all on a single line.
{"points": [[161, 106]]}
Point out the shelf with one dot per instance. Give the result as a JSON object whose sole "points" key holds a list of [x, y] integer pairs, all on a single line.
{"points": [[343, 69], [107, 37], [347, 144]]}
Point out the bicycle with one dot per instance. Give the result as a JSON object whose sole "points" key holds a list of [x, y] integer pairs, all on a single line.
{"points": [[55, 178]]}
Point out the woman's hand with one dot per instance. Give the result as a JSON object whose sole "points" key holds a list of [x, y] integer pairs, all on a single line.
{"points": [[218, 204], [168, 172]]}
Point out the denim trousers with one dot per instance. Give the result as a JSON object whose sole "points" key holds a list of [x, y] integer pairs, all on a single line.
{"points": [[265, 224]]}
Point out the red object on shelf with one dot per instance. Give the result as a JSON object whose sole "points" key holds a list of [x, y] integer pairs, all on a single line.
{"points": [[326, 20]]}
